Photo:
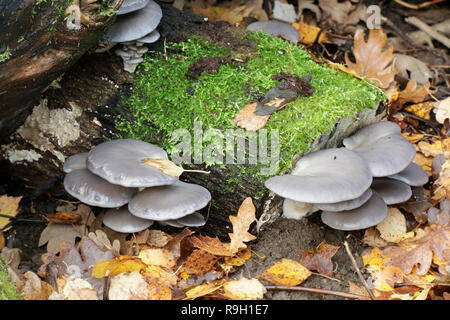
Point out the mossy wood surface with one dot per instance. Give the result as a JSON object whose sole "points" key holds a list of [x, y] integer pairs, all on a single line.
{"points": [[161, 98]]}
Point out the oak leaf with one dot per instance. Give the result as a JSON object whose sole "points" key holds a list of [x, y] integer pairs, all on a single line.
{"points": [[442, 110], [372, 63], [199, 262], [320, 258], [241, 223], [211, 245]]}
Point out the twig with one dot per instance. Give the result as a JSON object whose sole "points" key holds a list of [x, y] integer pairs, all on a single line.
{"points": [[418, 6], [429, 30], [352, 259], [316, 290], [325, 276]]}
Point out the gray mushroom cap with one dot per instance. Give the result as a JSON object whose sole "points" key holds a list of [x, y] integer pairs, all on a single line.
{"points": [[324, 176], [150, 38], [170, 202], [131, 5], [369, 214], [136, 24], [413, 175], [276, 28], [95, 191], [172, 223], [121, 220], [385, 150], [392, 191], [119, 162], [75, 162], [192, 220], [346, 205]]}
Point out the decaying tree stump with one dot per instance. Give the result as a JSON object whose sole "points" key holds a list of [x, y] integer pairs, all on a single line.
{"points": [[86, 101], [37, 45]]}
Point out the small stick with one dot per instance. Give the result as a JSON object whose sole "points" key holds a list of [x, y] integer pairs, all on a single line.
{"points": [[418, 6], [325, 276], [352, 259], [316, 290], [429, 30]]}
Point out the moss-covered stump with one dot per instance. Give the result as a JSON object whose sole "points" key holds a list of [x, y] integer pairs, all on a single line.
{"points": [[164, 104], [200, 108]]}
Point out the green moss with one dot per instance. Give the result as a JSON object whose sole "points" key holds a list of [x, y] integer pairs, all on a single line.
{"points": [[5, 55], [164, 99], [8, 290]]}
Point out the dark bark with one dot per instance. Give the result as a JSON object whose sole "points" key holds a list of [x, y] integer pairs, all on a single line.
{"points": [[38, 47]]}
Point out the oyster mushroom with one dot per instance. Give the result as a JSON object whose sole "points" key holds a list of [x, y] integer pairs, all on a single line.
{"points": [[121, 220], [276, 28]]}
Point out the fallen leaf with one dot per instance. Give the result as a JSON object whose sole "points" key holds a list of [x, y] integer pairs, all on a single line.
{"points": [[34, 288], [412, 68], [372, 63], [320, 258], [63, 217], [232, 13], [201, 290], [244, 289], [286, 272], [385, 278], [248, 120], [357, 289], [117, 265], [393, 227], [240, 258], [101, 240], [199, 262], [426, 163], [163, 275], [241, 224], [309, 33], [413, 94], [413, 138], [157, 238], [442, 110], [211, 245], [76, 289], [418, 252], [55, 233], [421, 110], [8, 206], [339, 11], [435, 147], [372, 238], [164, 165], [128, 286], [158, 290], [442, 184]]}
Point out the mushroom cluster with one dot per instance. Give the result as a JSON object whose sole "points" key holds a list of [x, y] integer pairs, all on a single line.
{"points": [[113, 175], [352, 185], [135, 26]]}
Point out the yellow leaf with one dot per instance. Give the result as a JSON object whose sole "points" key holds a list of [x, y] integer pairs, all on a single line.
{"points": [[244, 289], [8, 207], [201, 290], [286, 272], [374, 257], [117, 265], [241, 223], [413, 138], [239, 260], [372, 238], [163, 276], [442, 184], [421, 110], [164, 165], [158, 257], [424, 162], [308, 33], [385, 278], [435, 148]]}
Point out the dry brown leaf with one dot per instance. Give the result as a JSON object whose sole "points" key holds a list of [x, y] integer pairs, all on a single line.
{"points": [[211, 245], [435, 147], [286, 272], [372, 238], [157, 238], [241, 224], [8, 206], [339, 11], [240, 258], [63, 217], [425, 163], [199, 262], [244, 289], [442, 110], [413, 94], [128, 286], [232, 13], [357, 289], [418, 252], [55, 233], [442, 184], [372, 63], [34, 288], [320, 258], [202, 290], [248, 120]]}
